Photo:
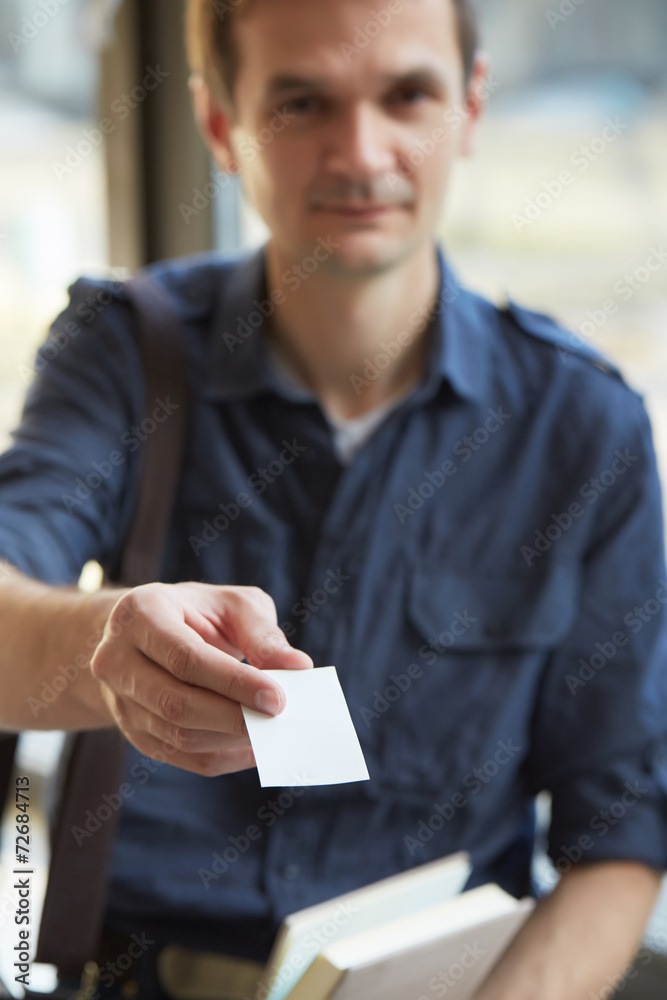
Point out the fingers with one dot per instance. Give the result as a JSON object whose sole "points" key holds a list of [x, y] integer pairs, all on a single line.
{"points": [[139, 720], [174, 646], [172, 677], [172, 709], [250, 621], [206, 753], [225, 760]]}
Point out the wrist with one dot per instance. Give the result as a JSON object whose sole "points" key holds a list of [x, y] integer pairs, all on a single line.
{"points": [[72, 625], [90, 615]]}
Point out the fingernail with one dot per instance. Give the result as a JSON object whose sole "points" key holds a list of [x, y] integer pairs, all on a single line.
{"points": [[268, 701]]}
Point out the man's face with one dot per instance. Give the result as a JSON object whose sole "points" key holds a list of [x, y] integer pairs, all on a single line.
{"points": [[349, 114]]}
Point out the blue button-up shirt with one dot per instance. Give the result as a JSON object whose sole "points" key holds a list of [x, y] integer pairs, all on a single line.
{"points": [[487, 575]]}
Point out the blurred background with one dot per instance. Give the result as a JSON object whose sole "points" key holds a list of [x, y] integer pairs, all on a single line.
{"points": [[99, 174]]}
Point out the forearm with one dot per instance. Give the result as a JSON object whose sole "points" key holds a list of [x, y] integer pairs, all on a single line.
{"points": [[580, 937], [49, 635]]}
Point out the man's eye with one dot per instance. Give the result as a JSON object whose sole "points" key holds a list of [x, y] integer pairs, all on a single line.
{"points": [[302, 105], [408, 95]]}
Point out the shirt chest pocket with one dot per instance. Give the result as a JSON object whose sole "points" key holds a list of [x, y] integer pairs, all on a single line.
{"points": [[481, 640]]}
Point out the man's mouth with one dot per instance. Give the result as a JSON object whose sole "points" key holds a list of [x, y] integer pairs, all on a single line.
{"points": [[353, 210]]}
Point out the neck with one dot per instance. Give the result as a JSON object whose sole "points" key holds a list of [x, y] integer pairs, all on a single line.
{"points": [[332, 326]]}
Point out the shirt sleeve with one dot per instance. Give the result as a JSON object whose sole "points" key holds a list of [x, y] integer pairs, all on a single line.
{"points": [[599, 730], [68, 483]]}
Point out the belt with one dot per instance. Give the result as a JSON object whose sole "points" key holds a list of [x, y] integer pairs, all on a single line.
{"points": [[130, 969], [205, 975]]}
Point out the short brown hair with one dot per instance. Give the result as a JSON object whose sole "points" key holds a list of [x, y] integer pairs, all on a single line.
{"points": [[212, 51]]}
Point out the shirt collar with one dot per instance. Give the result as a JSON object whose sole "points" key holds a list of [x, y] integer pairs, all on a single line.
{"points": [[462, 338], [239, 363]]}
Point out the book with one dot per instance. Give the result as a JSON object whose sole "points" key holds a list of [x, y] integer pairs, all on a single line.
{"points": [[414, 935]]}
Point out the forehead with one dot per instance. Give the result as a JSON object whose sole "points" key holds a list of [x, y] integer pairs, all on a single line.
{"points": [[345, 41]]}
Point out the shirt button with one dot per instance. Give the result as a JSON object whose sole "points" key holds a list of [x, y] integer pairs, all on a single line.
{"points": [[291, 872]]}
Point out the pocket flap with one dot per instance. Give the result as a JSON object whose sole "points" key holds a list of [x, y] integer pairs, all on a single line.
{"points": [[465, 609]]}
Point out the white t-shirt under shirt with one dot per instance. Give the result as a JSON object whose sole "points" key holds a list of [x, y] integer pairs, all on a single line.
{"points": [[348, 434]]}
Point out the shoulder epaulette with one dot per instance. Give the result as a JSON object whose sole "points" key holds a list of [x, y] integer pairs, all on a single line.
{"points": [[565, 341]]}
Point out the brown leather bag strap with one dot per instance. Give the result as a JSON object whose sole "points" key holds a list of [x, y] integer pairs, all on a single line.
{"points": [[167, 396], [8, 742], [89, 775], [92, 764]]}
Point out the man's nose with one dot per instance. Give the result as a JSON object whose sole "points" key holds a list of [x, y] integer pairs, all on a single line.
{"points": [[360, 143]]}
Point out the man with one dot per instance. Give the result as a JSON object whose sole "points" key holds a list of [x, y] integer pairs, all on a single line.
{"points": [[444, 499]]}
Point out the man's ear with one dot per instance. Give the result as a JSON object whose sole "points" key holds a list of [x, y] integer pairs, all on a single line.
{"points": [[214, 124], [479, 88]]}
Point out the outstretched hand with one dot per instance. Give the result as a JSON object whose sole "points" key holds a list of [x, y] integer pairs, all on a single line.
{"points": [[173, 679]]}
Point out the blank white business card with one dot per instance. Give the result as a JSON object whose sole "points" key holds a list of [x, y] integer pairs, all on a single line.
{"points": [[313, 741]]}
